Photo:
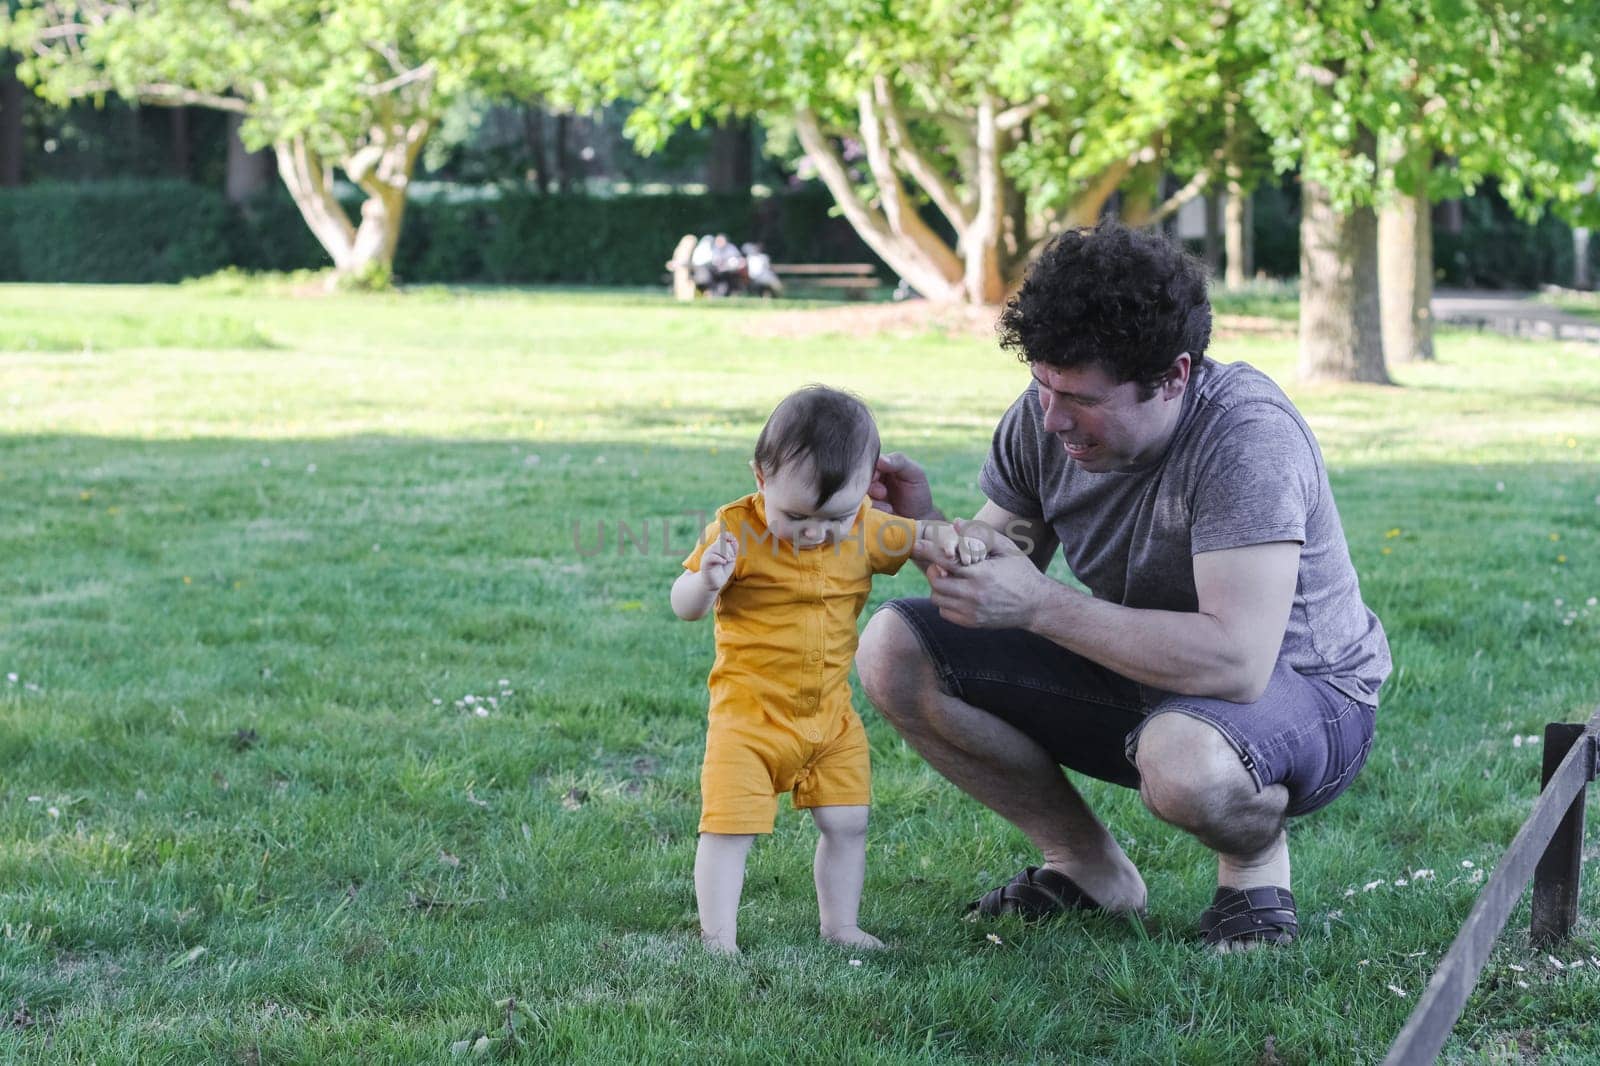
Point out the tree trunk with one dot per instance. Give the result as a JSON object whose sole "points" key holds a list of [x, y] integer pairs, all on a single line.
{"points": [[980, 244], [1405, 275], [1139, 195], [1580, 244], [1341, 333], [561, 154], [1213, 234], [1451, 216], [363, 254], [730, 167], [182, 143], [12, 97], [1235, 233], [892, 229], [533, 139], [1249, 233], [382, 213], [248, 173], [1237, 250]]}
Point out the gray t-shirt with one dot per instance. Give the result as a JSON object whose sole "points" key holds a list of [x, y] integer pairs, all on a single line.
{"points": [[1242, 468]]}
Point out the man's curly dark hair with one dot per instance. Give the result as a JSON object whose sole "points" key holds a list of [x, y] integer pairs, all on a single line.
{"points": [[1123, 299]]}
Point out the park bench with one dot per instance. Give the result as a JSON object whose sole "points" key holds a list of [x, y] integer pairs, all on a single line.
{"points": [[854, 280]]}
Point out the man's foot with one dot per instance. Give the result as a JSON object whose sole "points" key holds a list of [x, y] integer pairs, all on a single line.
{"points": [[852, 937], [718, 944], [1243, 918], [1035, 894]]}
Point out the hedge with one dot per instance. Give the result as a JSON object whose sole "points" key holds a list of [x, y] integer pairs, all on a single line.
{"points": [[160, 231], [153, 231], [113, 231]]}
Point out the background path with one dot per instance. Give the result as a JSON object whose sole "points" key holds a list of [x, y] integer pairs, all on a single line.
{"points": [[1516, 314]]}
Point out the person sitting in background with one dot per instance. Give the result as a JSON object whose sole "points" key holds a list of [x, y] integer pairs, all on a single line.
{"points": [[761, 279], [702, 263], [727, 266]]}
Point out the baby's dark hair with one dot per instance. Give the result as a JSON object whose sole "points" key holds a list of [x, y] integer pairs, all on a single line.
{"points": [[1123, 299], [831, 428]]}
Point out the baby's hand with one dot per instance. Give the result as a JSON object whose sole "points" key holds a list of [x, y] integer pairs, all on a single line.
{"points": [[716, 564], [971, 550], [952, 546]]}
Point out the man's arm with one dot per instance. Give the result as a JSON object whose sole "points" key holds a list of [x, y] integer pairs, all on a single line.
{"points": [[1225, 649]]}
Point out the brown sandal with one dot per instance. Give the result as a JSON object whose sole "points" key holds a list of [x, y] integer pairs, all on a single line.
{"points": [[1035, 894], [1239, 916]]}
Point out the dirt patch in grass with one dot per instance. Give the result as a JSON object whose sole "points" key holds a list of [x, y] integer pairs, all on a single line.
{"points": [[869, 320], [961, 320]]}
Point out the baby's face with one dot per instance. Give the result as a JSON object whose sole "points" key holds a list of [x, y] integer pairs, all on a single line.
{"points": [[793, 513]]}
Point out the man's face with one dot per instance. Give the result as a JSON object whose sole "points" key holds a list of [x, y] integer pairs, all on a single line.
{"points": [[793, 514], [1101, 423]]}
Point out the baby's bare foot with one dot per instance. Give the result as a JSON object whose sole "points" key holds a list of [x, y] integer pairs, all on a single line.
{"points": [[718, 944], [852, 937]]}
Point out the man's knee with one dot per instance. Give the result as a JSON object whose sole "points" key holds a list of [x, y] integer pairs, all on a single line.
{"points": [[891, 662], [1189, 774]]}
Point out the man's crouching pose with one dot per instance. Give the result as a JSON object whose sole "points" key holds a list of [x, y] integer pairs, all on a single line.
{"points": [[1224, 664]]}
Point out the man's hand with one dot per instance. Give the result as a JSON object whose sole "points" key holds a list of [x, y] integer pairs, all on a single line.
{"points": [[1002, 591], [716, 564], [900, 487]]}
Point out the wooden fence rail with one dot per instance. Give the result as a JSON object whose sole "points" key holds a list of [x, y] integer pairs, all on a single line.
{"points": [[1549, 850]]}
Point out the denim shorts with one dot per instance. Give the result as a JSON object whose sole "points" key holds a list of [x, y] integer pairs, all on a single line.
{"points": [[1303, 733]]}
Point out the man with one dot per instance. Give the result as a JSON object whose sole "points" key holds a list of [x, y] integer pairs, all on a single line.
{"points": [[1224, 664]]}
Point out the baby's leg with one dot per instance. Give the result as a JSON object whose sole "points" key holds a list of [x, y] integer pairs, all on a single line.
{"points": [[840, 868], [718, 881]]}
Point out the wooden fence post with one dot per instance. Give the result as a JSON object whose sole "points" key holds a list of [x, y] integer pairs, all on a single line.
{"points": [[1555, 879]]}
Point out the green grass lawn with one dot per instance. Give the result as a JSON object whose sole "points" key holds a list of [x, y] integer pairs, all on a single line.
{"points": [[264, 560]]}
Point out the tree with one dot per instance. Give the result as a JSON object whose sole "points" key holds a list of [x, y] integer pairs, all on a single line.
{"points": [[12, 99], [356, 85], [1390, 104], [954, 135], [1320, 95], [1506, 93]]}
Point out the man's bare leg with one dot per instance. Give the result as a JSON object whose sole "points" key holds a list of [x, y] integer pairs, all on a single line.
{"points": [[1191, 778], [994, 763]]}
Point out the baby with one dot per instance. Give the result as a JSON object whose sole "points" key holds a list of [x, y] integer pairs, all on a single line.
{"points": [[788, 568]]}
